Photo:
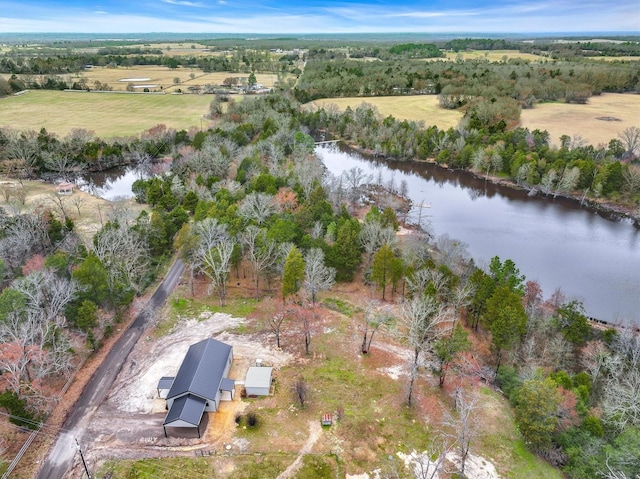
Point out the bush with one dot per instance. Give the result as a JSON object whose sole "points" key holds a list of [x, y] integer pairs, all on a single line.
{"points": [[508, 380], [20, 413], [252, 419]]}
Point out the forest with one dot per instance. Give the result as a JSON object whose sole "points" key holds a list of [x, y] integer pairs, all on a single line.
{"points": [[249, 191], [252, 191]]}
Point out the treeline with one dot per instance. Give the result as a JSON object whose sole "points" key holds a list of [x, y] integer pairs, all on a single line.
{"points": [[483, 143], [587, 48], [76, 63], [32, 155], [523, 81]]}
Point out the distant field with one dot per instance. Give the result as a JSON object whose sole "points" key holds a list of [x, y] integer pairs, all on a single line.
{"points": [[414, 108], [108, 114], [160, 76], [567, 119], [494, 55]]}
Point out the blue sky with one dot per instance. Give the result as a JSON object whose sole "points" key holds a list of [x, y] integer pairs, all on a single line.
{"points": [[319, 16]]}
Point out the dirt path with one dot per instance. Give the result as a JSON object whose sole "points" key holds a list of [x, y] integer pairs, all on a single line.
{"points": [[314, 434]]}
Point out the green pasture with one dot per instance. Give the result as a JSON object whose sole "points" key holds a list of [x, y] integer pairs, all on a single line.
{"points": [[107, 114]]}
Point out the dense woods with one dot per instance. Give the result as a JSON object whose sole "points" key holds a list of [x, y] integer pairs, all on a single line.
{"points": [[251, 192]]}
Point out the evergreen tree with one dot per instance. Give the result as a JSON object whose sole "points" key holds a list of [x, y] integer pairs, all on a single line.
{"points": [[293, 275]]}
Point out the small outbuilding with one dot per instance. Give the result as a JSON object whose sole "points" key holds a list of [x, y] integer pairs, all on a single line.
{"points": [[258, 381], [164, 385], [65, 189]]}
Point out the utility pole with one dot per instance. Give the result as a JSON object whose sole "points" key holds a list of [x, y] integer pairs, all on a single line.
{"points": [[84, 463]]}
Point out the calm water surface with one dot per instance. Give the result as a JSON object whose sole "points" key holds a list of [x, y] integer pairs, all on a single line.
{"points": [[592, 258], [115, 183]]}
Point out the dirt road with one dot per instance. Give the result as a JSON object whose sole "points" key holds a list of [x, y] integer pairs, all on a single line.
{"points": [[61, 454]]}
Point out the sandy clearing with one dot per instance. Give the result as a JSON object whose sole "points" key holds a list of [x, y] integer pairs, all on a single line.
{"points": [[135, 390], [476, 467]]}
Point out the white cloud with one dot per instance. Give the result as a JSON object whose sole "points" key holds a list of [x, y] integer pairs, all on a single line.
{"points": [[184, 3]]}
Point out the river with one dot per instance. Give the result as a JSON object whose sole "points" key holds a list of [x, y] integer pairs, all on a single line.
{"points": [[590, 257]]}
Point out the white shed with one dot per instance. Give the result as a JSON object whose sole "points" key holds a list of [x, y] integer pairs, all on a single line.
{"points": [[258, 381]]}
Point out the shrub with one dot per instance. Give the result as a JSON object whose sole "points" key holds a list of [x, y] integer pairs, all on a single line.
{"points": [[252, 419], [508, 380], [19, 411]]}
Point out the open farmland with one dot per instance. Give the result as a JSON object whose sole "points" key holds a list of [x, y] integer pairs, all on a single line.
{"points": [[414, 108], [107, 114], [162, 77], [493, 55], [599, 121]]}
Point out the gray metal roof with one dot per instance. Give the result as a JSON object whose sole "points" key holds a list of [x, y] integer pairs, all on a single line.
{"points": [[258, 377], [227, 384], [202, 370], [186, 408], [165, 382]]}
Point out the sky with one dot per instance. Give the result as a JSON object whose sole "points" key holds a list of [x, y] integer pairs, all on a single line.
{"points": [[319, 16]]}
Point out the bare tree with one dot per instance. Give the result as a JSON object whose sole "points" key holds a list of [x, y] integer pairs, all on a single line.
{"points": [[309, 170], [621, 401], [464, 424], [423, 322], [257, 207], [355, 178], [452, 253], [568, 181], [373, 235], [317, 276], [630, 138], [24, 235], [375, 316], [215, 264], [275, 325], [301, 391], [59, 163], [124, 254], [631, 178], [78, 201], [210, 232], [548, 181], [430, 463], [261, 252]]}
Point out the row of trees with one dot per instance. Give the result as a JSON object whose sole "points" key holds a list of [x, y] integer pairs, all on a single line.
{"points": [[483, 144], [524, 81]]}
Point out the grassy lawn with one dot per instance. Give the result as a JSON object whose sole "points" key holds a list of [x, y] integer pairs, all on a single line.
{"points": [[107, 114], [414, 108], [501, 443]]}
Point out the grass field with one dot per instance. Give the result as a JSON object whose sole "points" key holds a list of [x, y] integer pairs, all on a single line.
{"points": [[161, 76], [568, 119], [557, 118], [415, 108], [494, 55], [107, 114]]}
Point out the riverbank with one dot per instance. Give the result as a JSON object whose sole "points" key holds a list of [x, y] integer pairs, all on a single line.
{"points": [[603, 207]]}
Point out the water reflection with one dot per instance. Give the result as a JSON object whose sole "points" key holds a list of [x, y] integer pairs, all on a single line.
{"points": [[116, 183], [591, 256]]}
